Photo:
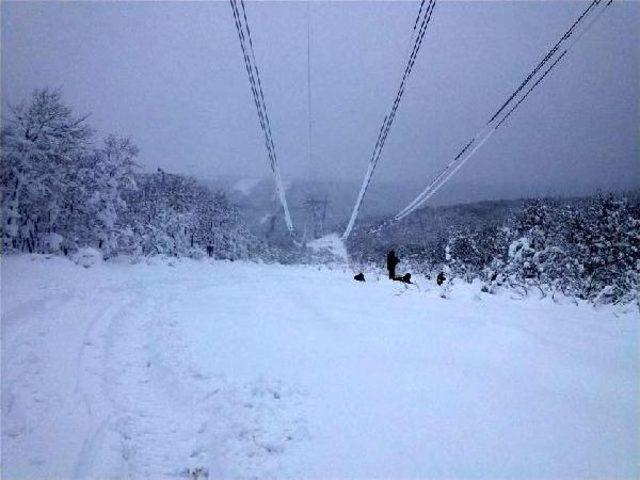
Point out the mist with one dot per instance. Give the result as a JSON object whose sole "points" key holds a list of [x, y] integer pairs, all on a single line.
{"points": [[170, 75]]}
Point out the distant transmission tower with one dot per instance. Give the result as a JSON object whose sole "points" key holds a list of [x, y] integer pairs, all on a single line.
{"points": [[316, 209]]}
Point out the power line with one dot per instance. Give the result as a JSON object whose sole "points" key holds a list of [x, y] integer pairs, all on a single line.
{"points": [[546, 58], [423, 18], [251, 66], [495, 122], [530, 90], [309, 82]]}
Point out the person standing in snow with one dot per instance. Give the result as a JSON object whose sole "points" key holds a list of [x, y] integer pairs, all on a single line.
{"points": [[392, 262]]}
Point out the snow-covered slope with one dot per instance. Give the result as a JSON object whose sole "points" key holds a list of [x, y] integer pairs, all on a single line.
{"points": [[262, 371], [332, 244], [246, 185]]}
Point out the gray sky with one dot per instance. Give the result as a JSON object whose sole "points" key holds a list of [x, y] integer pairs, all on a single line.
{"points": [[171, 75]]}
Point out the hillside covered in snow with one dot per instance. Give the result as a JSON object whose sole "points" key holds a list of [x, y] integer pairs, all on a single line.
{"points": [[170, 368]]}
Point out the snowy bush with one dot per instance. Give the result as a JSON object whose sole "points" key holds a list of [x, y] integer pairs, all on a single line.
{"points": [[468, 253], [587, 249], [87, 257], [53, 242]]}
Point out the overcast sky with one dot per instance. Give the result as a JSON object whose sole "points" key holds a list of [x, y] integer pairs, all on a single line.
{"points": [[170, 74]]}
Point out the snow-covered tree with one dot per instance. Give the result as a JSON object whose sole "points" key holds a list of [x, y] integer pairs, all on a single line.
{"points": [[175, 215], [588, 249], [109, 175], [469, 252], [60, 193], [42, 147], [604, 248]]}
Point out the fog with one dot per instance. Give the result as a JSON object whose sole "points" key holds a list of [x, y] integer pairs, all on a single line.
{"points": [[171, 75]]}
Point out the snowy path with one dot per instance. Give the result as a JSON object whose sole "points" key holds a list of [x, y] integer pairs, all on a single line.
{"points": [[255, 371]]}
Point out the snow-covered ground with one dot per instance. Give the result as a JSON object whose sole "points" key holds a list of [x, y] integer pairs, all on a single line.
{"points": [[263, 371], [331, 244]]}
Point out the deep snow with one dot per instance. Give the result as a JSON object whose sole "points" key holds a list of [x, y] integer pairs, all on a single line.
{"points": [[248, 370]]}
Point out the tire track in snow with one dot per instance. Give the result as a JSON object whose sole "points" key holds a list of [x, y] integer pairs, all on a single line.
{"points": [[238, 430], [151, 432], [151, 412], [24, 342], [93, 387], [129, 414]]}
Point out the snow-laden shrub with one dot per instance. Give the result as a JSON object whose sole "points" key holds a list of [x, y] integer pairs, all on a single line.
{"points": [[468, 252], [195, 253], [87, 257], [588, 249], [53, 242]]}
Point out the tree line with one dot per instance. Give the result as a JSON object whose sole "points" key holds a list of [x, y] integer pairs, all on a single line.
{"points": [[586, 248], [62, 190]]}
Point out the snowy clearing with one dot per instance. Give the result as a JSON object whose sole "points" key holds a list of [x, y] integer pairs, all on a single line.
{"points": [[265, 371]]}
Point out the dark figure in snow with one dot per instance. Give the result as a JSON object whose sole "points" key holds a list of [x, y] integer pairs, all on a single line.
{"points": [[406, 278], [440, 278], [359, 277], [392, 263]]}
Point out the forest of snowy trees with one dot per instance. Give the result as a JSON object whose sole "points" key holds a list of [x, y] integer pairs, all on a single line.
{"points": [[582, 248], [588, 249], [62, 191]]}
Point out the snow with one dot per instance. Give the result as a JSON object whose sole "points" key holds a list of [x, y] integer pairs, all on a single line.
{"points": [[266, 217], [246, 185], [263, 371], [53, 242], [87, 257], [331, 243]]}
